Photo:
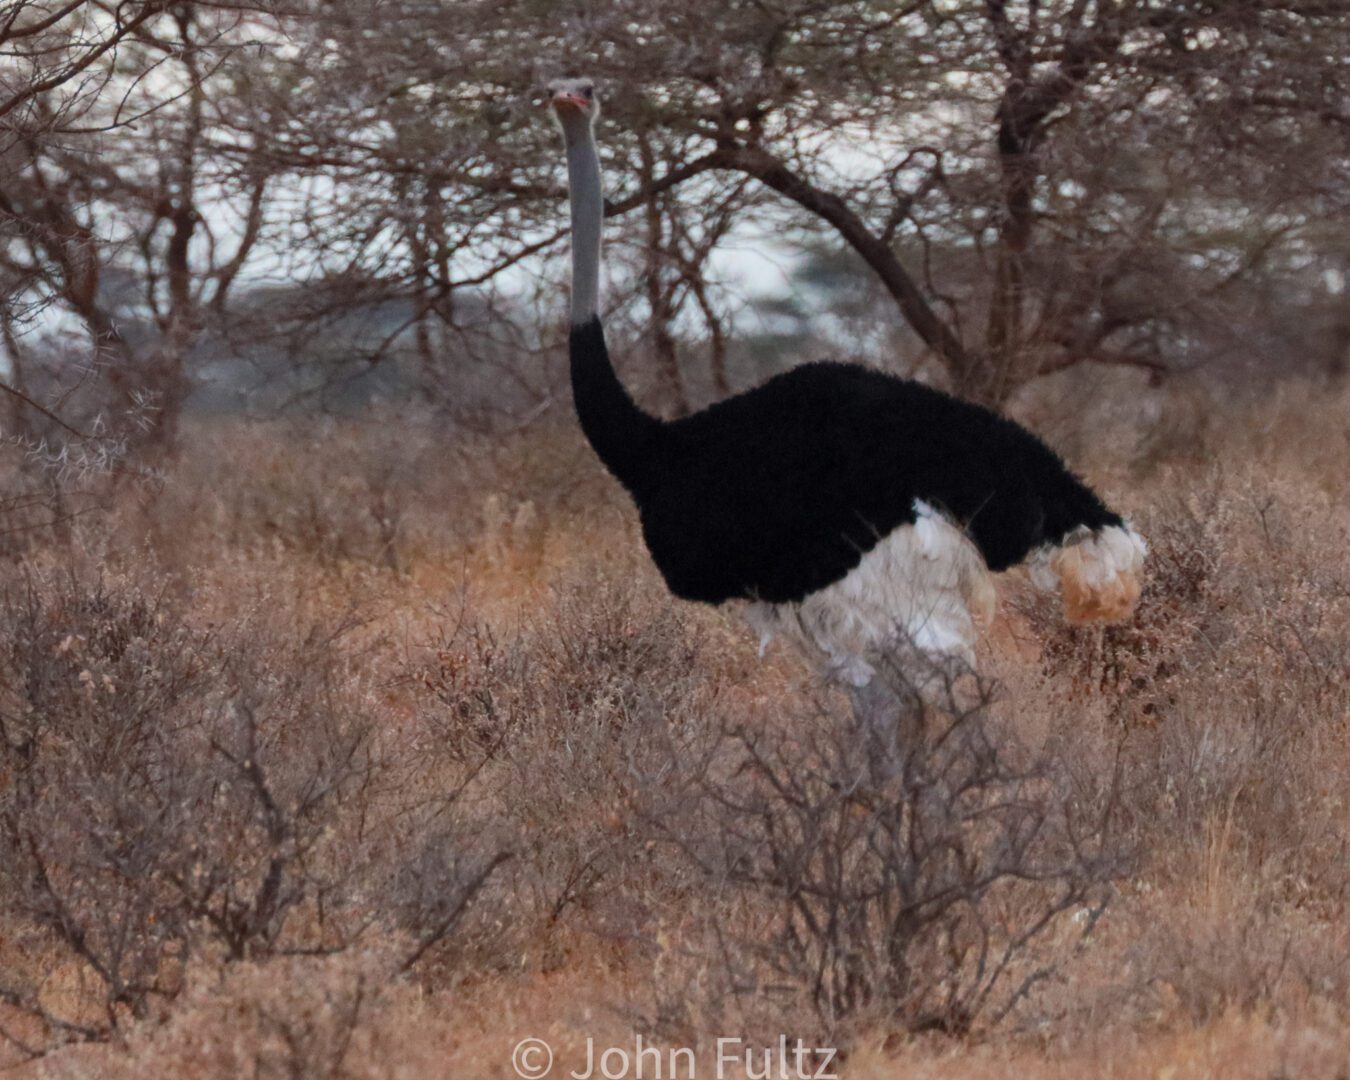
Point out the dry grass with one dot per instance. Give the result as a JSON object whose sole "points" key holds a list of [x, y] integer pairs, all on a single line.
{"points": [[438, 699]]}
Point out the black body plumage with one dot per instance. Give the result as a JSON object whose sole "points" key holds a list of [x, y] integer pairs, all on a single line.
{"points": [[778, 492]]}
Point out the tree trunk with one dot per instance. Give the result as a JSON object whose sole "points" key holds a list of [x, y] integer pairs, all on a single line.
{"points": [[660, 294], [1007, 304]]}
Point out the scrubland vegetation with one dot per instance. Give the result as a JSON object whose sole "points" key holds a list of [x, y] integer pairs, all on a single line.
{"points": [[347, 731], [343, 748]]}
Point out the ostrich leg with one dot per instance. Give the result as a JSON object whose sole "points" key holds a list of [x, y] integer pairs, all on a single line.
{"points": [[889, 720]]}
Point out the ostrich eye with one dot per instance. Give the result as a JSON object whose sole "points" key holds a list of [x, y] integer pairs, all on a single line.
{"points": [[588, 92]]}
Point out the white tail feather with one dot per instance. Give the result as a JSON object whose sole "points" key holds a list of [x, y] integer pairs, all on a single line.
{"points": [[1099, 571]]}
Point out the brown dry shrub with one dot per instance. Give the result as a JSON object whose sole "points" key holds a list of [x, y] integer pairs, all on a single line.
{"points": [[1227, 687], [573, 722], [592, 737], [167, 788], [1234, 953], [325, 490], [388, 491], [1223, 708], [310, 1017], [917, 883]]}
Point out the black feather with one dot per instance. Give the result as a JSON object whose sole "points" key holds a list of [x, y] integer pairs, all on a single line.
{"points": [[780, 491]]}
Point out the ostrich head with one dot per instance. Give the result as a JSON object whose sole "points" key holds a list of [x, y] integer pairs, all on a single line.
{"points": [[574, 104]]}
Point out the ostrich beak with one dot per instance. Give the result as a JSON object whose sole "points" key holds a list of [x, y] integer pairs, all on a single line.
{"points": [[574, 101]]}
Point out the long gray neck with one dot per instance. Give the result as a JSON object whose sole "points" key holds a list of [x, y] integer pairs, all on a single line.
{"points": [[627, 440], [588, 213]]}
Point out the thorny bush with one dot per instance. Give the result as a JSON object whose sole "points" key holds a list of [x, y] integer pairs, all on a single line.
{"points": [[912, 861], [164, 787]]}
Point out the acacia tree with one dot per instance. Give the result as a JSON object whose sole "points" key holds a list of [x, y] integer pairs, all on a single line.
{"points": [[107, 173], [54, 55], [1029, 184], [50, 73], [1012, 173]]}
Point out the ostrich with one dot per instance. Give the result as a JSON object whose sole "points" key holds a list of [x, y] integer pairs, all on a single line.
{"points": [[856, 514]]}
